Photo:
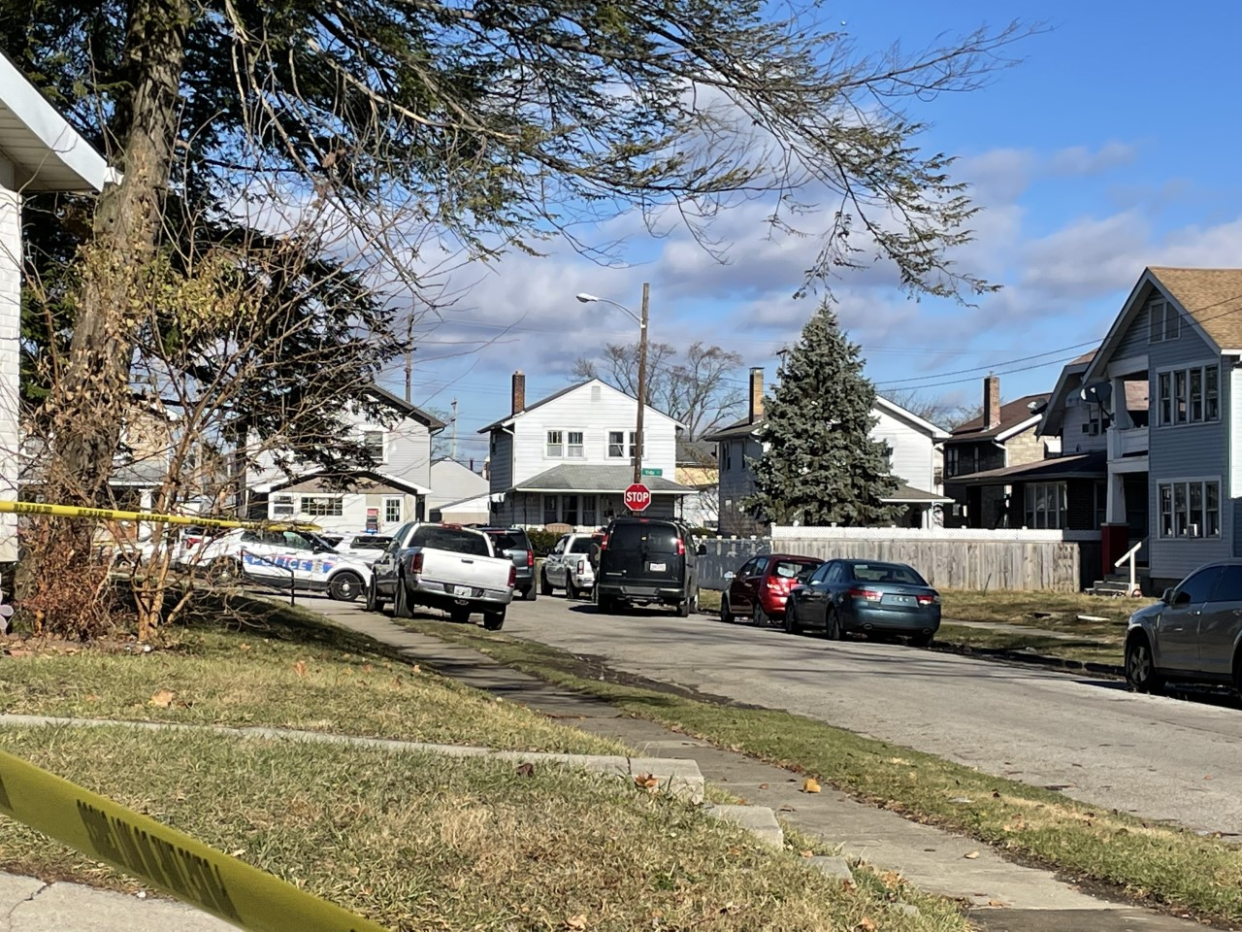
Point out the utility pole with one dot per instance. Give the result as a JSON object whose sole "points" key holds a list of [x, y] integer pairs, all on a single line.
{"points": [[453, 444], [642, 383], [409, 357]]}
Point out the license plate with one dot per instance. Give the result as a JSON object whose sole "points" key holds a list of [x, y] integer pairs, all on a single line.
{"points": [[900, 599], [658, 567], [462, 590]]}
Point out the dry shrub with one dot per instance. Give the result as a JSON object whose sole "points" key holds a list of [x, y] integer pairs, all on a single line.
{"points": [[70, 596]]}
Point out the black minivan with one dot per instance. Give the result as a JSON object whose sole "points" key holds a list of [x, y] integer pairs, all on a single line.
{"points": [[646, 561]]}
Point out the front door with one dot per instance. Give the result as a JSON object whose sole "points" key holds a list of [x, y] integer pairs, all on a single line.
{"points": [[1177, 633], [1221, 624]]}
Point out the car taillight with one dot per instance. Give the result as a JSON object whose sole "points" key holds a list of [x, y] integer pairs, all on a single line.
{"points": [[603, 543], [775, 582], [416, 563], [512, 576], [927, 599], [681, 547], [871, 595], [530, 558]]}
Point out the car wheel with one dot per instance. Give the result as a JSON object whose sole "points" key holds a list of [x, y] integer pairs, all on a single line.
{"points": [[373, 603], [832, 625], [571, 591], [606, 604], [792, 625], [401, 607], [493, 621], [1141, 675], [758, 617], [922, 639], [545, 587], [725, 614], [224, 570], [530, 594], [345, 587], [459, 614], [684, 607]]}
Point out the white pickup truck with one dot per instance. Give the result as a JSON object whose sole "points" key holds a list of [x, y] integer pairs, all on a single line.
{"points": [[442, 566], [569, 567]]}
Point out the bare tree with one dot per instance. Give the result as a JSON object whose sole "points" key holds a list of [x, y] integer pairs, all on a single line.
{"points": [[938, 411], [694, 386]]}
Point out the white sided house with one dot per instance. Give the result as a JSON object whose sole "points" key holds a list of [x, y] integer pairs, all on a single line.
{"points": [[376, 500], [39, 151], [916, 459], [567, 459]]}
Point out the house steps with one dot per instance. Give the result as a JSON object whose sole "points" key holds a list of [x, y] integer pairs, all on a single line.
{"points": [[1117, 585]]}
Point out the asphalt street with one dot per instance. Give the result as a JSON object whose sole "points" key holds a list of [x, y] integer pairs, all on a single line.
{"points": [[1161, 758]]}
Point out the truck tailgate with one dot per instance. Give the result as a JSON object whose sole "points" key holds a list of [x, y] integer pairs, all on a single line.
{"points": [[467, 572]]}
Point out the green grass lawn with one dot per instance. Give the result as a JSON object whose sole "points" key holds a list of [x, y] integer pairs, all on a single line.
{"points": [[1150, 861]]}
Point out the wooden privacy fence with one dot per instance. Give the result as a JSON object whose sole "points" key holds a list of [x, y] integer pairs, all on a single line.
{"points": [[1055, 561]]}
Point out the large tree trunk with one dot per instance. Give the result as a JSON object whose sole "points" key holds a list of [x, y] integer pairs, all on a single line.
{"points": [[90, 399]]}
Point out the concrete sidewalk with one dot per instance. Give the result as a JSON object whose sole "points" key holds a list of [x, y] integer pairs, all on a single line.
{"points": [[30, 905], [1003, 896]]}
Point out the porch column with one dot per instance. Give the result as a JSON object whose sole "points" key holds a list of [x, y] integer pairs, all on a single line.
{"points": [[144, 500], [1115, 532], [1121, 414]]}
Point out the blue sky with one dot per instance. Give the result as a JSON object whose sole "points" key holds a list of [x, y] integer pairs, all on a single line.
{"points": [[1111, 147]]}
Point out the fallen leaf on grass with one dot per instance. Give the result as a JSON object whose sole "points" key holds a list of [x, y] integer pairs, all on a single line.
{"points": [[576, 923], [300, 668], [162, 698], [526, 770], [806, 854], [645, 781], [866, 925], [972, 855], [997, 903], [810, 785], [763, 786]]}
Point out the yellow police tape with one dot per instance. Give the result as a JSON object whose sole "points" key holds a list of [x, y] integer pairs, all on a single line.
{"points": [[169, 860], [112, 514]]}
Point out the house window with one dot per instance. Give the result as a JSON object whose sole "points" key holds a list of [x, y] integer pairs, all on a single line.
{"points": [[282, 506], [726, 456], [950, 461], [1189, 396], [551, 510], [1189, 509], [633, 445], [392, 511], [556, 444], [1166, 323], [616, 444], [569, 509], [322, 506], [1046, 504], [590, 515], [373, 440], [576, 450]]}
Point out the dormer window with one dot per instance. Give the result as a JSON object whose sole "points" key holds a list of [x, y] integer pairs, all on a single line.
{"points": [[1165, 322]]}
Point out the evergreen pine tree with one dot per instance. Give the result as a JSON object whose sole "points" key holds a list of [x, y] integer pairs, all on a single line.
{"points": [[820, 465]]}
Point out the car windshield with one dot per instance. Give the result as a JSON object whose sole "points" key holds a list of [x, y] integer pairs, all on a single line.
{"points": [[581, 545], [370, 542], [454, 540], [887, 572], [654, 538], [792, 569]]}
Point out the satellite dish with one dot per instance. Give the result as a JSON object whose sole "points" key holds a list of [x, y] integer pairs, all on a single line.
{"points": [[1100, 393]]}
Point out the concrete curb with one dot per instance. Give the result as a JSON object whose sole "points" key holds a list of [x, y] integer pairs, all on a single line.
{"points": [[676, 777], [1042, 660], [757, 819]]}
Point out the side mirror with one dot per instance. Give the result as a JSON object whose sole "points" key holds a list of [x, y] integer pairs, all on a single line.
{"points": [[702, 551], [730, 576], [796, 588], [1167, 596]]}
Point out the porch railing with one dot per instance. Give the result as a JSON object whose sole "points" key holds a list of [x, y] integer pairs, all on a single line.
{"points": [[1131, 555]]}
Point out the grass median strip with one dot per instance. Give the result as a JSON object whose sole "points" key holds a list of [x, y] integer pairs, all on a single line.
{"points": [[1085, 649], [1151, 861], [414, 841]]}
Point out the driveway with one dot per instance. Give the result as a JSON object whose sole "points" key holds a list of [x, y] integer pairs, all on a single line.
{"points": [[1157, 757]]}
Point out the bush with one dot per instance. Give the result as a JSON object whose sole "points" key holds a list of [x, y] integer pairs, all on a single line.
{"points": [[542, 541]]}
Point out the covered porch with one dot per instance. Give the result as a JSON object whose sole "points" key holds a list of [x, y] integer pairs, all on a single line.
{"points": [[582, 497]]}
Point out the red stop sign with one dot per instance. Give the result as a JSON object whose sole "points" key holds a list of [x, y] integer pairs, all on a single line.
{"points": [[637, 497]]}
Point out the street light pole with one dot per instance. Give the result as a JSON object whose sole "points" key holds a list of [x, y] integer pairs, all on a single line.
{"points": [[642, 384]]}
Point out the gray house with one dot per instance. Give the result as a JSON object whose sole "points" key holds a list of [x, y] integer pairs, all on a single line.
{"points": [[1177, 475]]}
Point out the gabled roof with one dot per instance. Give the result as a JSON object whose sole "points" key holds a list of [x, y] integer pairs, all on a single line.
{"points": [[569, 389], [695, 453], [1053, 420], [744, 427], [50, 155], [382, 395], [572, 478], [909, 495], [1015, 417], [358, 481]]}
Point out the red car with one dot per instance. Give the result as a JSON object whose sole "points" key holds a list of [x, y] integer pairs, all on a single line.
{"points": [[759, 589]]}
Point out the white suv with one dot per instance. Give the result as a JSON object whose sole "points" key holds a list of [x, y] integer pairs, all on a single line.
{"points": [[284, 558]]}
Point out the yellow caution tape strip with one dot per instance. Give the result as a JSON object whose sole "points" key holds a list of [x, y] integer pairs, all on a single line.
{"points": [[112, 514], [169, 860]]}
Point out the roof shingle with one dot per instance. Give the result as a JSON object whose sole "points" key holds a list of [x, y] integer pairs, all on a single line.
{"points": [[1011, 415], [1213, 297]]}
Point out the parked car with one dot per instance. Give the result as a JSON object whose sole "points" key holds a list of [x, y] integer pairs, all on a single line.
{"points": [[1194, 633], [366, 547], [760, 587], [569, 567], [443, 566], [514, 543], [646, 561], [283, 558], [867, 596]]}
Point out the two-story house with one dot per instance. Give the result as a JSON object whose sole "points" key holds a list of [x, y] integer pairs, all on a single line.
{"points": [[394, 491], [914, 454], [1003, 436], [1174, 474], [568, 458]]}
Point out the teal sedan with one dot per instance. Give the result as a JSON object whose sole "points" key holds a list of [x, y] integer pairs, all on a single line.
{"points": [[866, 597]]}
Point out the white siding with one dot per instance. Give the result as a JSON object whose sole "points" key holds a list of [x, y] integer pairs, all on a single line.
{"points": [[595, 415], [914, 456], [1073, 438], [10, 368], [1232, 414], [501, 463], [353, 518]]}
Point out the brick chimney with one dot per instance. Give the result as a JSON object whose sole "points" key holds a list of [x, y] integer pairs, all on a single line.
{"points": [[755, 411], [991, 401], [519, 392]]}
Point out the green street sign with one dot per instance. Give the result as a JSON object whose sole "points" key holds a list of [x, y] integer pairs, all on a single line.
{"points": [[652, 472]]}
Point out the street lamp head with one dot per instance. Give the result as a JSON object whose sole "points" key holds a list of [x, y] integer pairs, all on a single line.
{"points": [[586, 298]]}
